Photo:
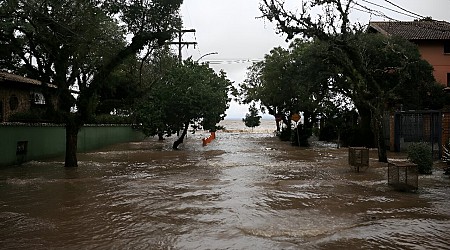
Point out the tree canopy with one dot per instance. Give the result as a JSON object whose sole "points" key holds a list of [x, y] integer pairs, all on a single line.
{"points": [[281, 84], [252, 119], [187, 94], [77, 44], [373, 70]]}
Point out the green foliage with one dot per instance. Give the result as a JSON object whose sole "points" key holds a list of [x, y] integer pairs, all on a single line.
{"points": [[355, 136], [112, 119], [421, 154], [188, 93], [366, 73], [252, 119], [121, 90], [278, 82], [300, 136], [375, 71], [30, 116], [283, 86], [285, 135], [343, 124], [80, 43], [328, 133], [40, 116]]}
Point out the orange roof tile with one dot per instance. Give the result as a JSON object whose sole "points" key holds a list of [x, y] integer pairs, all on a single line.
{"points": [[416, 30]]}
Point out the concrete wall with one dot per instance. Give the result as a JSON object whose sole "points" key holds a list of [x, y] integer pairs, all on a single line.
{"points": [[47, 140]]}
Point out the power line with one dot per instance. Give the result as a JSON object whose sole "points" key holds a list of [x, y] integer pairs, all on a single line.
{"points": [[368, 12], [373, 12], [404, 9], [390, 9]]}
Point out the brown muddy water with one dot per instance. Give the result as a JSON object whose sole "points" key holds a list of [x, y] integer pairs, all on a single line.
{"points": [[245, 190]]}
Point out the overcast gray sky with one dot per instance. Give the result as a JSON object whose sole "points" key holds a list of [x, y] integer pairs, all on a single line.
{"points": [[231, 29]]}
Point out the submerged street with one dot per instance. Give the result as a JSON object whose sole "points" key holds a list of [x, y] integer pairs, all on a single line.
{"points": [[242, 191]]}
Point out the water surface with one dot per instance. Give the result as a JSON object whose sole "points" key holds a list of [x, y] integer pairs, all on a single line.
{"points": [[245, 190]]}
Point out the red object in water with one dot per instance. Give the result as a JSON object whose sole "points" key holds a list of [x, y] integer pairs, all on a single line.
{"points": [[209, 138]]}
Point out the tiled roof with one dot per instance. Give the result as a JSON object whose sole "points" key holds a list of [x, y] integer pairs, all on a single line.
{"points": [[417, 30], [4, 76]]}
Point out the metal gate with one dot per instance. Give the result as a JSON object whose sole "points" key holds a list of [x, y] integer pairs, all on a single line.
{"points": [[418, 126]]}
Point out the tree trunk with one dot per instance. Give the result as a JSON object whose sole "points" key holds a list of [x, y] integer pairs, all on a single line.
{"points": [[160, 136], [287, 121], [378, 129], [372, 120], [181, 138], [277, 124], [366, 134], [71, 145], [339, 138], [86, 96]]}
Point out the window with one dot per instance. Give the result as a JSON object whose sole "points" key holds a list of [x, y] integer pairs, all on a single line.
{"points": [[37, 98], [447, 47]]}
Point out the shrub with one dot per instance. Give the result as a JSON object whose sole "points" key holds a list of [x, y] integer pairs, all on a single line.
{"points": [[421, 154], [32, 116], [328, 133], [303, 135], [285, 134], [111, 119]]}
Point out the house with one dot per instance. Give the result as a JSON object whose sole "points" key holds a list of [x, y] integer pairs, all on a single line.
{"points": [[433, 41], [19, 94], [431, 37]]}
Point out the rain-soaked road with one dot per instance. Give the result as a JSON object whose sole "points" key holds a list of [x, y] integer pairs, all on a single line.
{"points": [[243, 191]]}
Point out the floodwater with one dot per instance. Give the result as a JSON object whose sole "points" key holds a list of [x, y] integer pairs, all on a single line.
{"points": [[245, 190]]}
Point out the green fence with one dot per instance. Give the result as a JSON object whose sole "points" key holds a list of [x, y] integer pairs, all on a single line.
{"points": [[26, 142]]}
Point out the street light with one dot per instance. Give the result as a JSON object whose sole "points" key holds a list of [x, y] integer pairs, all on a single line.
{"points": [[208, 54]]}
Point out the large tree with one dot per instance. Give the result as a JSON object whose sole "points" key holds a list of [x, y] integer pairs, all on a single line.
{"points": [[186, 94], [78, 43], [266, 83], [284, 85], [367, 68]]}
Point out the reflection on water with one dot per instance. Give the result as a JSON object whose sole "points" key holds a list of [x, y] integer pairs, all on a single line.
{"points": [[245, 190]]}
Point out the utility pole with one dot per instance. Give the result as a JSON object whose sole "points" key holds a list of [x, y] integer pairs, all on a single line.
{"points": [[180, 42]]}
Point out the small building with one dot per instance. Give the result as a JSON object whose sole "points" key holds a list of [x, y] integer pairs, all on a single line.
{"points": [[19, 94], [431, 37]]}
